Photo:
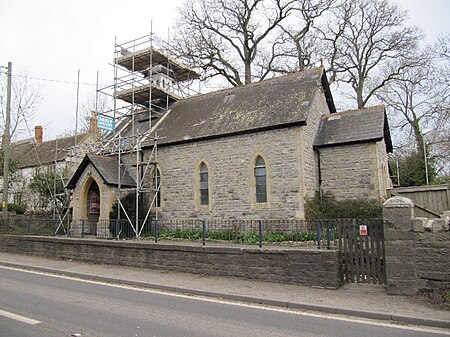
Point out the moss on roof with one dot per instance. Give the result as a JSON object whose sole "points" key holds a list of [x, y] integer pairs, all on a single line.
{"points": [[353, 126], [107, 167], [272, 103]]}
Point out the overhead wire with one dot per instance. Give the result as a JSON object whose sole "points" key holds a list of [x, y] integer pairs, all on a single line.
{"points": [[49, 79]]}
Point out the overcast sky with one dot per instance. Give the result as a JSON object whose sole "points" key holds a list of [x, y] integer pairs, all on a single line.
{"points": [[50, 40]]}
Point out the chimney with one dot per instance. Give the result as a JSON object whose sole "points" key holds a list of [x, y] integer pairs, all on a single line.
{"points": [[38, 134], [93, 128]]}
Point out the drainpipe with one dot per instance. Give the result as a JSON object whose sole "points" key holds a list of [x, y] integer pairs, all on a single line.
{"points": [[320, 174]]}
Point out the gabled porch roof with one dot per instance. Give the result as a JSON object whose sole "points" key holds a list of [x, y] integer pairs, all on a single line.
{"points": [[107, 167]]}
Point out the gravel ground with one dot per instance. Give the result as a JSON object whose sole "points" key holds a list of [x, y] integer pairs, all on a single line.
{"points": [[437, 298]]}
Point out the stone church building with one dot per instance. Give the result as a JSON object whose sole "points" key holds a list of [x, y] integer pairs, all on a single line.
{"points": [[251, 152]]}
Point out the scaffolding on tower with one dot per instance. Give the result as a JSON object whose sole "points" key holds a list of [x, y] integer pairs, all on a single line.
{"points": [[147, 81]]}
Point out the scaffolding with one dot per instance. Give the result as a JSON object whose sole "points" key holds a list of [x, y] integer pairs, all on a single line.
{"points": [[147, 80]]}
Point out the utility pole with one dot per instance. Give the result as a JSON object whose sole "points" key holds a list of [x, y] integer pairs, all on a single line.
{"points": [[76, 111], [425, 157], [6, 146]]}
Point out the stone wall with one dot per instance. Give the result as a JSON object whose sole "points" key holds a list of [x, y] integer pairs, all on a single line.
{"points": [[432, 247], [230, 169], [298, 266], [309, 132], [417, 249], [352, 171]]}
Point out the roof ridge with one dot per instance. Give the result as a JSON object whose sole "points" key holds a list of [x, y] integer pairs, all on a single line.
{"points": [[32, 140], [65, 138], [24, 141], [264, 81], [375, 107], [98, 155]]}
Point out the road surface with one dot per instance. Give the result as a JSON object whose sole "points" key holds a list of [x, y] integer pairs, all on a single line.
{"points": [[38, 304]]}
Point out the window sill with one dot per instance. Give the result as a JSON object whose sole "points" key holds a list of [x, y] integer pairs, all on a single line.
{"points": [[260, 205]]}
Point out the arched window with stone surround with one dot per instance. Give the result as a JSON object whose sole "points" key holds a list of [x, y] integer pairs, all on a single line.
{"points": [[260, 180], [157, 187], [93, 199], [93, 208], [203, 184]]}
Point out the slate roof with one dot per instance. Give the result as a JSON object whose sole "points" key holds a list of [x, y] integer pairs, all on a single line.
{"points": [[354, 126], [27, 153], [268, 104], [19, 150], [107, 167]]}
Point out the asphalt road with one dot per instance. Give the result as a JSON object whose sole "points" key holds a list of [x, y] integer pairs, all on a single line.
{"points": [[34, 304]]}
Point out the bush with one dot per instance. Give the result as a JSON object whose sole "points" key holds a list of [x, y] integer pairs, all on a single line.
{"points": [[18, 209], [226, 234], [129, 203], [240, 237], [328, 207]]}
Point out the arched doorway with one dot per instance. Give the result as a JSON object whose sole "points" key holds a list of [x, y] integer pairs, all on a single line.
{"points": [[93, 207]]}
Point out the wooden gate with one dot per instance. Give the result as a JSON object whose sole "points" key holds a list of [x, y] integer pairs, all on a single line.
{"points": [[361, 246]]}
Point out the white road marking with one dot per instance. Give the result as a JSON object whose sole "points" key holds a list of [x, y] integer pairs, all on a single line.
{"points": [[330, 316], [19, 318]]}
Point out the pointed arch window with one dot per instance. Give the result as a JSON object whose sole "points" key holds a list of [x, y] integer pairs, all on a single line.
{"points": [[260, 180], [204, 189], [93, 198], [157, 187]]}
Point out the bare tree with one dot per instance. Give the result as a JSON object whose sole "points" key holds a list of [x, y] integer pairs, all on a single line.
{"points": [[441, 51], [230, 38], [442, 48], [368, 46], [25, 99], [303, 46], [441, 118], [419, 104], [96, 102]]}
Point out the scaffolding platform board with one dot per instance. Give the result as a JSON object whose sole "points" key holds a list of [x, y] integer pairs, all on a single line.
{"points": [[140, 61], [142, 94]]}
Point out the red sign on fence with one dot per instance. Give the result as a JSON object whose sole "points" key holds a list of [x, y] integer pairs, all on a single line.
{"points": [[362, 229]]}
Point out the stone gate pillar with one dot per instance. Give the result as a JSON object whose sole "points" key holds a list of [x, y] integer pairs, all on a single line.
{"points": [[401, 272]]}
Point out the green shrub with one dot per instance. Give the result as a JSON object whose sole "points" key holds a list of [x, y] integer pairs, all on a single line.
{"points": [[240, 237], [129, 204], [220, 235], [246, 237], [327, 207], [189, 234], [277, 237], [166, 234], [18, 209]]}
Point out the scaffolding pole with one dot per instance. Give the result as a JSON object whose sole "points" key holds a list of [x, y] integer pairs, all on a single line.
{"points": [[146, 81]]}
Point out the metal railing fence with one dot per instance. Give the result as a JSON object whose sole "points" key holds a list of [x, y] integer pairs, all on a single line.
{"points": [[323, 234], [27, 226]]}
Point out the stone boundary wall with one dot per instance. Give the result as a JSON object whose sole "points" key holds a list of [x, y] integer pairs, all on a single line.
{"points": [[432, 249], [417, 249], [285, 265]]}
